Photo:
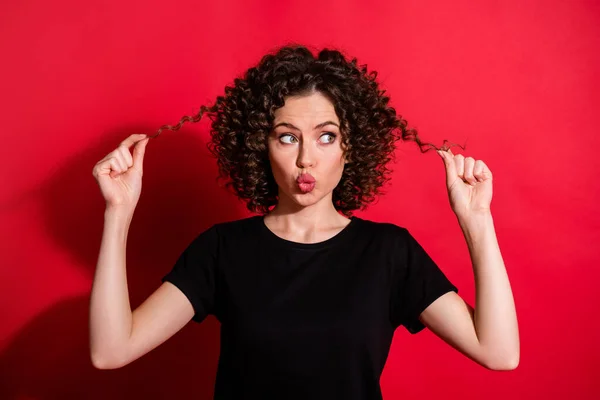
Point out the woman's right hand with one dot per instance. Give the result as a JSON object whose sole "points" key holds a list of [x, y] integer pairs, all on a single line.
{"points": [[119, 174]]}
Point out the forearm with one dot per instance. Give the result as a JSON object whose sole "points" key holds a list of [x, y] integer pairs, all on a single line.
{"points": [[110, 311], [495, 315]]}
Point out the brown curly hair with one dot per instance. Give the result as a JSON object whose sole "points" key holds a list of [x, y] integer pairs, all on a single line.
{"points": [[242, 120]]}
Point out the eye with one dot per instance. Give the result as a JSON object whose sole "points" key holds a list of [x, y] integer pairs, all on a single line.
{"points": [[287, 138], [329, 137]]}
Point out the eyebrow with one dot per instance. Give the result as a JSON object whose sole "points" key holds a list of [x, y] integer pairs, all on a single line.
{"points": [[322, 124]]}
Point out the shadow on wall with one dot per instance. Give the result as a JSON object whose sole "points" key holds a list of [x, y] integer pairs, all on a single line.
{"points": [[49, 358]]}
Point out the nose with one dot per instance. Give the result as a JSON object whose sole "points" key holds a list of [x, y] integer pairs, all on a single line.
{"points": [[306, 157]]}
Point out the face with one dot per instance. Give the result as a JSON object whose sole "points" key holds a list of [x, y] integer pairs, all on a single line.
{"points": [[305, 144]]}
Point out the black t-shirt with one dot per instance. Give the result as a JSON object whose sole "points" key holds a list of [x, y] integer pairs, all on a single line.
{"points": [[306, 321]]}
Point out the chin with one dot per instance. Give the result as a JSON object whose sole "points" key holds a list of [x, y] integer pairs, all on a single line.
{"points": [[306, 199]]}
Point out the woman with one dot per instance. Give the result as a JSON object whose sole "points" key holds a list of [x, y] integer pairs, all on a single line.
{"points": [[308, 296]]}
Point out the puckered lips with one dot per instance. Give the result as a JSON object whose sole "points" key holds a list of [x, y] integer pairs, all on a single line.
{"points": [[306, 182]]}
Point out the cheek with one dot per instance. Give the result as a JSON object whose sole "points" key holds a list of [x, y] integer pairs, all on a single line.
{"points": [[278, 167], [336, 166], [277, 161], [339, 159]]}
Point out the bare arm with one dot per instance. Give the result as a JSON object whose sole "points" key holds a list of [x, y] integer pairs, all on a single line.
{"points": [[110, 312], [488, 334], [118, 335]]}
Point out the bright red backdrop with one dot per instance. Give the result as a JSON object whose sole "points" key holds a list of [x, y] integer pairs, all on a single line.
{"points": [[518, 81]]}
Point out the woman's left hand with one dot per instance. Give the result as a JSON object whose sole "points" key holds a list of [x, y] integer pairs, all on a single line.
{"points": [[469, 184]]}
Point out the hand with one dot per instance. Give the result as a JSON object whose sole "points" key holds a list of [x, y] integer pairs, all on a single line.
{"points": [[469, 184], [119, 174]]}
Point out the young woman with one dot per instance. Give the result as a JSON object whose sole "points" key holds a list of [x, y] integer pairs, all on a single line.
{"points": [[308, 295]]}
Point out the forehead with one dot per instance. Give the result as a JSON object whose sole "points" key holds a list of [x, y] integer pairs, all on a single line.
{"points": [[310, 108]]}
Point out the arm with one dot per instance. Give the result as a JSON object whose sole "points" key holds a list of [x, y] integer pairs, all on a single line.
{"points": [[117, 335], [489, 333]]}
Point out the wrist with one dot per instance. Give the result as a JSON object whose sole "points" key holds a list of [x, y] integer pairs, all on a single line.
{"points": [[117, 222], [119, 213], [475, 221]]}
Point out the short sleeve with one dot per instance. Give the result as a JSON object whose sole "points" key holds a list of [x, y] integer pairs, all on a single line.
{"points": [[194, 273], [418, 283]]}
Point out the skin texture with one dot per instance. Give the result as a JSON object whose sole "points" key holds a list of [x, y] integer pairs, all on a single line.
{"points": [[488, 334], [306, 217]]}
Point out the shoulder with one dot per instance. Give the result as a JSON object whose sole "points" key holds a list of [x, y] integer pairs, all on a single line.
{"points": [[230, 228], [388, 236], [388, 229], [227, 233], [239, 223], [242, 226]]}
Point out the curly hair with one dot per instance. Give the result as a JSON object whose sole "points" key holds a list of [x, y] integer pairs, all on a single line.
{"points": [[242, 119]]}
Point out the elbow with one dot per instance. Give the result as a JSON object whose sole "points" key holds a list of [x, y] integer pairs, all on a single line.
{"points": [[507, 364], [501, 358], [102, 362]]}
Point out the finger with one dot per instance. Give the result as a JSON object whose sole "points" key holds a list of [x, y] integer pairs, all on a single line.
{"points": [[481, 171], [124, 151], [133, 139], [112, 154], [459, 162], [450, 166], [478, 170], [113, 168], [120, 161], [468, 171], [138, 154], [106, 166]]}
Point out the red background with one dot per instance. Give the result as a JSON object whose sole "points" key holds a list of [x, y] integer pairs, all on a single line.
{"points": [[517, 81]]}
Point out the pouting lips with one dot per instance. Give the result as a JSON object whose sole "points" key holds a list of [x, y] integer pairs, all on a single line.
{"points": [[305, 178], [306, 182], [306, 187]]}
